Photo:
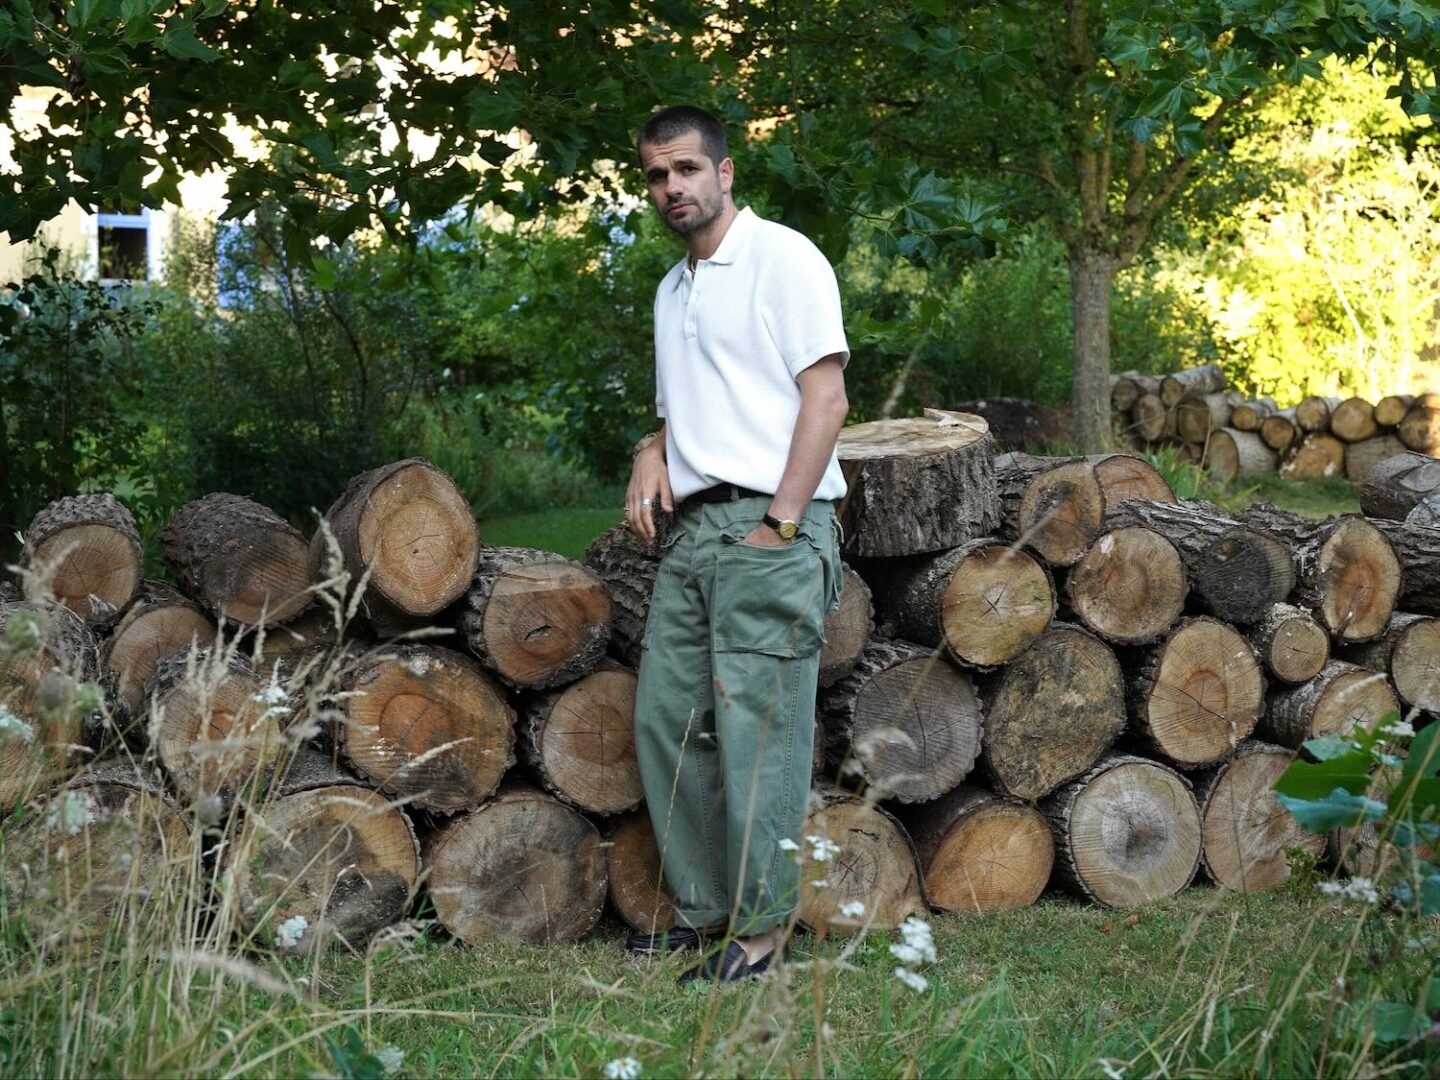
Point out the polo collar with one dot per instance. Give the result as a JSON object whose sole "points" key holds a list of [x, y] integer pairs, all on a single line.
{"points": [[731, 243]]}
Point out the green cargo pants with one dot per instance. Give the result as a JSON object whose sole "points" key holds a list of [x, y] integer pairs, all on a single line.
{"points": [[725, 707]]}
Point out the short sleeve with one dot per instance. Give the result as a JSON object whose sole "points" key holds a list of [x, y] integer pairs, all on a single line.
{"points": [[802, 310]]}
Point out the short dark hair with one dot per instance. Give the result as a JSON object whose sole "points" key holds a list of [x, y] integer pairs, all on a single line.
{"points": [[677, 120]]}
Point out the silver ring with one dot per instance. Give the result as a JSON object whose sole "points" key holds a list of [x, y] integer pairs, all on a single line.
{"points": [[647, 502]]}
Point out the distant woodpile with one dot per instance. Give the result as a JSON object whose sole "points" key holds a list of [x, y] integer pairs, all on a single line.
{"points": [[1044, 671], [1234, 436]]}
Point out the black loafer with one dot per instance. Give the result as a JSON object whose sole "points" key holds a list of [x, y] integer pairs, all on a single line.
{"points": [[676, 939], [731, 966]]}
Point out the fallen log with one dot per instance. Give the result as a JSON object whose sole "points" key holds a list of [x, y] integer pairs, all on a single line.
{"points": [[1420, 428], [1196, 417], [1361, 458], [1232, 455], [1396, 484], [1279, 431], [1353, 420], [1318, 454], [1126, 476], [1205, 379], [1313, 413], [1250, 415], [1342, 697], [1409, 651], [847, 630], [1291, 645], [1389, 411], [160, 623], [1417, 546]]}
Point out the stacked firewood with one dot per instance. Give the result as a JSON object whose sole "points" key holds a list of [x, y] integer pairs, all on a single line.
{"points": [[1047, 658], [1234, 436]]}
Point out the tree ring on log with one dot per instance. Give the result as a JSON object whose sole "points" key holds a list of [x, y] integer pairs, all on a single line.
{"points": [[1247, 833], [417, 536], [876, 866], [637, 882], [1361, 577], [1129, 586]]}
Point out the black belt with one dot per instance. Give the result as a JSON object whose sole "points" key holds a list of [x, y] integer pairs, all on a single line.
{"points": [[722, 493]]}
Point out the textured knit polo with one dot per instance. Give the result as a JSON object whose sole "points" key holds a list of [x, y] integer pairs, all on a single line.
{"points": [[729, 340]]}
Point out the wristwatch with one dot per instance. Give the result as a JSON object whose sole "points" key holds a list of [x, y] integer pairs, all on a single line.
{"points": [[786, 529]]}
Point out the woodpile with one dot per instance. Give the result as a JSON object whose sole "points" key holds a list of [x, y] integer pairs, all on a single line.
{"points": [[1044, 673], [1234, 437]]}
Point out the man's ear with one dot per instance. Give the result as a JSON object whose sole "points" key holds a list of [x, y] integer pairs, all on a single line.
{"points": [[727, 175]]}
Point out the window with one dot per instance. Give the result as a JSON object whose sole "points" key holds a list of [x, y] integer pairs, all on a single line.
{"points": [[124, 246]]}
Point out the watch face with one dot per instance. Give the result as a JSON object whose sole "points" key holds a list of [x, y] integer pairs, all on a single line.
{"points": [[788, 529]]}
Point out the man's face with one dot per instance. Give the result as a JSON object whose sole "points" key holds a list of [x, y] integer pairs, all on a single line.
{"points": [[686, 186]]}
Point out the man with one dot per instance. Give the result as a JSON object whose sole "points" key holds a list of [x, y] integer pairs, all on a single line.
{"points": [[749, 355]]}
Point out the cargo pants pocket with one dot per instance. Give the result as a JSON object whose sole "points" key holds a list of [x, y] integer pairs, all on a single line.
{"points": [[769, 599]]}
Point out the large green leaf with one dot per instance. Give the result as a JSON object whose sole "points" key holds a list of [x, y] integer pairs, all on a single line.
{"points": [[1338, 810]]}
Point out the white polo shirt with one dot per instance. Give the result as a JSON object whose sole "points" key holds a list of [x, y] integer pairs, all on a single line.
{"points": [[729, 340]]}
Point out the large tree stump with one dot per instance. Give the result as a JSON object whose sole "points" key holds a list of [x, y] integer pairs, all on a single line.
{"points": [[523, 867], [1420, 429], [917, 485], [158, 624], [1052, 712], [337, 855], [905, 720], [580, 740], [1129, 586], [985, 601], [1409, 650], [1246, 835], [1313, 413], [1353, 420], [1128, 476], [847, 629], [876, 866], [1396, 484], [1362, 457], [85, 552], [1198, 694], [1196, 417], [1418, 549], [1126, 833], [1205, 379], [1346, 571], [1342, 697], [980, 851], [1291, 645], [535, 619], [406, 525], [88, 857], [1279, 431], [1233, 455], [1236, 572], [1318, 454], [637, 881], [1051, 505], [628, 567], [427, 725], [47, 654], [237, 559], [1390, 410]]}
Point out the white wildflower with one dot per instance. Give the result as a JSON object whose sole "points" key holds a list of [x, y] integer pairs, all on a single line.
{"points": [[1361, 889], [1331, 888], [1401, 729], [1109, 1069], [907, 954], [853, 909], [289, 933], [10, 724], [822, 848], [71, 812], [390, 1059], [273, 697], [820, 883], [626, 1068], [913, 979], [789, 845], [918, 936]]}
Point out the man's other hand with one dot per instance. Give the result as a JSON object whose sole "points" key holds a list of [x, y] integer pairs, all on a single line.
{"points": [[649, 487]]}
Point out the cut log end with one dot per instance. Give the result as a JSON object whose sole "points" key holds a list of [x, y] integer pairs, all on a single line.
{"points": [[847, 630], [980, 852], [876, 866], [417, 535], [1129, 587], [1247, 834], [998, 601], [582, 741], [637, 882]]}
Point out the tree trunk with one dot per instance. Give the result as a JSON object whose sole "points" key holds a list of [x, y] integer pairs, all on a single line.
{"points": [[637, 882], [905, 720], [1092, 276], [981, 852], [1291, 645], [427, 725], [159, 623], [535, 619], [1051, 505], [1127, 833], [523, 867], [1395, 484], [1051, 712], [1410, 651], [1129, 586], [1342, 697], [580, 740], [85, 552]]}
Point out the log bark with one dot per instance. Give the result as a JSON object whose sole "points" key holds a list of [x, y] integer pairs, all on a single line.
{"points": [[1418, 549], [1127, 476], [1341, 697], [158, 624], [523, 867], [905, 720], [1206, 379], [847, 630], [1353, 420], [628, 568], [1346, 570], [1127, 833], [1052, 712], [580, 741], [917, 485], [1232, 455], [1279, 431], [340, 857], [1051, 505], [1396, 484], [1197, 416], [1420, 429], [1362, 457], [84, 551], [1198, 694], [1236, 572], [876, 866], [1246, 835], [1426, 513], [1317, 455], [427, 725], [637, 883], [1389, 411], [1313, 413], [1129, 586], [1250, 415], [1151, 419], [535, 619], [1291, 645], [985, 601], [238, 560], [1409, 651], [406, 525], [981, 852]]}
